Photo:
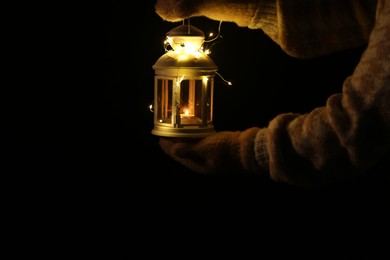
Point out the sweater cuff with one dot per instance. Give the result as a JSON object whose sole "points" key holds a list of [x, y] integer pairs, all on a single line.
{"points": [[261, 151], [248, 145]]}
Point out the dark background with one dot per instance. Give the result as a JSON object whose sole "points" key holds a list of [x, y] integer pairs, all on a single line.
{"points": [[89, 139], [82, 171]]}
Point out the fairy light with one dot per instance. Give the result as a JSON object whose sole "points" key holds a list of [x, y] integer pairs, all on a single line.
{"points": [[188, 49], [166, 44], [218, 34], [208, 50], [178, 82], [226, 81]]}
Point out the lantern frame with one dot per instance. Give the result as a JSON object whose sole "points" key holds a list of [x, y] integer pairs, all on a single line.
{"points": [[184, 87]]}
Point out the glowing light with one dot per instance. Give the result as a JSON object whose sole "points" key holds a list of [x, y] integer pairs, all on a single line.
{"points": [[181, 79], [183, 56], [189, 55], [218, 35], [184, 107], [178, 81], [227, 82], [185, 46], [186, 114], [189, 47], [197, 54]]}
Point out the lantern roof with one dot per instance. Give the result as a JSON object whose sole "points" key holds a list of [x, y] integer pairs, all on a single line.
{"points": [[191, 64], [185, 37], [185, 30], [186, 55]]}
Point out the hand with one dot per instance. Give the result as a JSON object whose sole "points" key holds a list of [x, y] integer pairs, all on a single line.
{"points": [[220, 153], [178, 10], [239, 12]]}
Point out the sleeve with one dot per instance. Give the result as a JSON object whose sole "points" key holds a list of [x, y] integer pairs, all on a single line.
{"points": [[307, 28], [347, 136]]}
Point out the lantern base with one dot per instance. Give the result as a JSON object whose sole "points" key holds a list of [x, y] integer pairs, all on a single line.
{"points": [[183, 132]]}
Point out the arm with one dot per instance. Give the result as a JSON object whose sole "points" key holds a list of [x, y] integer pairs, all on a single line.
{"points": [[345, 138], [302, 28], [307, 28]]}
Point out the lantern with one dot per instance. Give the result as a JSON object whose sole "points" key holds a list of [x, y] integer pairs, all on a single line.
{"points": [[184, 86]]}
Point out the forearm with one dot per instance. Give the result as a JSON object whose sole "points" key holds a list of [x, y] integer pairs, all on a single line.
{"points": [[347, 136], [302, 28], [237, 11], [309, 28], [343, 138]]}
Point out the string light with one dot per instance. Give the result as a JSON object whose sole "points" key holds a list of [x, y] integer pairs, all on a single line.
{"points": [[218, 35], [208, 50], [166, 45], [178, 81], [202, 49], [226, 81]]}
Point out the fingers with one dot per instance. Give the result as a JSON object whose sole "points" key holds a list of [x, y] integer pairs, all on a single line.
{"points": [[215, 153], [178, 147]]}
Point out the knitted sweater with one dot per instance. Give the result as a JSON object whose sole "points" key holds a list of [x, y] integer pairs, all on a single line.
{"points": [[311, 28], [351, 133], [347, 137]]}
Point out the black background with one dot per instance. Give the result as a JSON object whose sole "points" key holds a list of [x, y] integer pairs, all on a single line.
{"points": [[85, 169], [89, 140]]}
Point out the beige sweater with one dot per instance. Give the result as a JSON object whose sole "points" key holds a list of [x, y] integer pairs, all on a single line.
{"points": [[348, 136], [351, 133], [312, 28]]}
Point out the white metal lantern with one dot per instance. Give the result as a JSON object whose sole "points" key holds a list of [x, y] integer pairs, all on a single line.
{"points": [[184, 86]]}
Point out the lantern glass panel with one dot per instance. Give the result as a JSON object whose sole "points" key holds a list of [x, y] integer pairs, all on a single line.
{"points": [[191, 93], [164, 101]]}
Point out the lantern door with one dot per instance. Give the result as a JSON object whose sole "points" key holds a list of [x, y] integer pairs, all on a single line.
{"points": [[183, 103]]}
